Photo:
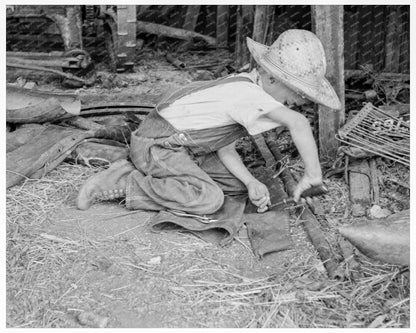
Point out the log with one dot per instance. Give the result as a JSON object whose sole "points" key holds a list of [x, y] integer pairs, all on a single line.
{"points": [[163, 30], [309, 221], [48, 110], [36, 157], [223, 14], [360, 187], [387, 240], [32, 106]]}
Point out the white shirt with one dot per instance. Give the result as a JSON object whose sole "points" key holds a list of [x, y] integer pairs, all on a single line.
{"points": [[237, 102]]}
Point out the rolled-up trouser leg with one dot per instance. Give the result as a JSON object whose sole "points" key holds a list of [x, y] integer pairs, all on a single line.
{"points": [[169, 178], [213, 166]]}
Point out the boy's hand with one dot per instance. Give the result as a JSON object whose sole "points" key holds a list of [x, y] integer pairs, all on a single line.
{"points": [[305, 183], [259, 195]]}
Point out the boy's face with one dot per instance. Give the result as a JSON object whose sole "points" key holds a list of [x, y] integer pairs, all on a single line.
{"points": [[282, 93]]}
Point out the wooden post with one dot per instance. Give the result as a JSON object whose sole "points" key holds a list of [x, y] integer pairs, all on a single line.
{"points": [[126, 37], [393, 38], [69, 24], [327, 22], [259, 27], [191, 17], [223, 14], [238, 38], [244, 26]]}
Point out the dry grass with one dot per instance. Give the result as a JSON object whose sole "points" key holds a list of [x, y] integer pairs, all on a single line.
{"points": [[178, 280]]}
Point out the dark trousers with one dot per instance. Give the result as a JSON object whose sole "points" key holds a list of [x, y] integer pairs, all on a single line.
{"points": [[180, 169]]}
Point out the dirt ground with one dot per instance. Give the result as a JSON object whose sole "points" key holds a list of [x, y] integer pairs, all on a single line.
{"points": [[104, 267]]}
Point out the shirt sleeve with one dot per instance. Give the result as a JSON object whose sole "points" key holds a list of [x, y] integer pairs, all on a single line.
{"points": [[250, 108]]}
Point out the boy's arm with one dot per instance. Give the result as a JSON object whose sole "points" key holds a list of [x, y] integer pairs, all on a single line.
{"points": [[301, 133], [257, 191]]}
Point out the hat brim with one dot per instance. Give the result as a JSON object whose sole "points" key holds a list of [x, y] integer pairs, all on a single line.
{"points": [[323, 93]]}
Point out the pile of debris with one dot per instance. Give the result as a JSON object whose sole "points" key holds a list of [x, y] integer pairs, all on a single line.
{"points": [[45, 128]]}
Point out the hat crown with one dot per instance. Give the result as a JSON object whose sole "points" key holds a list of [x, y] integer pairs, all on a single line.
{"points": [[298, 53]]}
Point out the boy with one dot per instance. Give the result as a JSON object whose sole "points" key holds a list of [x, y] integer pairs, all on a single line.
{"points": [[183, 154]]}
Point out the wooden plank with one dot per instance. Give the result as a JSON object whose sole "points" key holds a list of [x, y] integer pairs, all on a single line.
{"points": [[327, 22], [223, 15], [39, 156], [360, 187]]}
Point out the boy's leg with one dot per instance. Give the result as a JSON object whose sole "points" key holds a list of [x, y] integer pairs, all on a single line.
{"points": [[228, 183], [169, 178]]}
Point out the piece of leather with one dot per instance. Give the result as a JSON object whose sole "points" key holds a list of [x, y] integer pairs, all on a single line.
{"points": [[269, 232], [229, 221]]}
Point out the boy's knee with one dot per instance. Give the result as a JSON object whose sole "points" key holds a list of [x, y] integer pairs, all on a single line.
{"points": [[214, 201]]}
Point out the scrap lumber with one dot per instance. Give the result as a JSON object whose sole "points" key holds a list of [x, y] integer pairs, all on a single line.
{"points": [[360, 187], [37, 157], [164, 30], [309, 221], [22, 135]]}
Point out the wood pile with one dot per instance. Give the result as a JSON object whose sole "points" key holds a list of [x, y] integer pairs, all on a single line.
{"points": [[44, 129]]}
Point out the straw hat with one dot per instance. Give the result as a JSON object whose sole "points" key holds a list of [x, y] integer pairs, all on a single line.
{"points": [[297, 58]]}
